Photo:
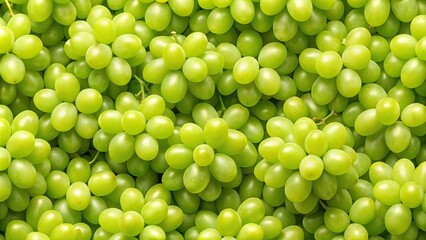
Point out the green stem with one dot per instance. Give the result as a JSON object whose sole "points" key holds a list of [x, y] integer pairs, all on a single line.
{"points": [[321, 121], [95, 157], [222, 105], [323, 205], [143, 85], [9, 6], [173, 33]]}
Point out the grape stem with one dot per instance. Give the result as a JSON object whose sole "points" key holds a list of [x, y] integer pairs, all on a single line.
{"points": [[95, 157], [321, 121], [144, 87], [222, 105], [173, 33], [323, 205], [9, 6]]}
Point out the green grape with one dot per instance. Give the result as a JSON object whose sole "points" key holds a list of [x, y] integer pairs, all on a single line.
{"points": [[300, 11], [327, 59], [301, 129], [20, 144], [179, 156], [119, 71], [25, 120], [328, 41], [403, 170], [363, 210], [268, 81], [387, 192], [110, 121], [153, 232], [367, 123], [6, 191], [12, 68], [6, 131], [195, 44], [219, 20], [125, 23], [146, 146], [397, 137], [154, 211], [157, 16], [64, 116], [388, 110], [22, 166], [376, 18], [174, 86], [104, 30], [98, 181], [336, 220], [416, 69], [245, 70], [195, 69], [295, 108], [196, 178], [17, 229], [48, 221], [398, 219], [404, 11], [336, 161], [276, 175], [322, 85], [403, 46], [379, 48], [242, 11], [348, 82], [297, 188], [228, 222], [411, 194], [109, 218], [37, 235], [356, 57], [270, 147], [174, 56], [20, 24], [152, 105], [223, 168], [355, 231], [57, 184], [311, 167], [234, 143], [316, 142], [420, 48], [325, 187], [215, 132], [98, 56], [6, 36], [411, 110], [160, 127], [27, 46], [78, 196], [290, 155], [336, 135], [315, 24], [131, 223], [126, 45]]}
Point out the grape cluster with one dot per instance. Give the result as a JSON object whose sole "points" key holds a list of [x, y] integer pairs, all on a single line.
{"points": [[212, 119]]}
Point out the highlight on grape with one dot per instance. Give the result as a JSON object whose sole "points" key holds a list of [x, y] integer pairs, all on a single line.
{"points": [[212, 119]]}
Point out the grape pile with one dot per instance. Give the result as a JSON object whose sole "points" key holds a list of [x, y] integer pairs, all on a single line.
{"points": [[212, 119]]}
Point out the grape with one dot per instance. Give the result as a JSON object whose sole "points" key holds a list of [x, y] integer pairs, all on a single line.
{"points": [[221, 120], [404, 215]]}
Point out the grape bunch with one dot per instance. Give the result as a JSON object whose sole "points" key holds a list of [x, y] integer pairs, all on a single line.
{"points": [[212, 119]]}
